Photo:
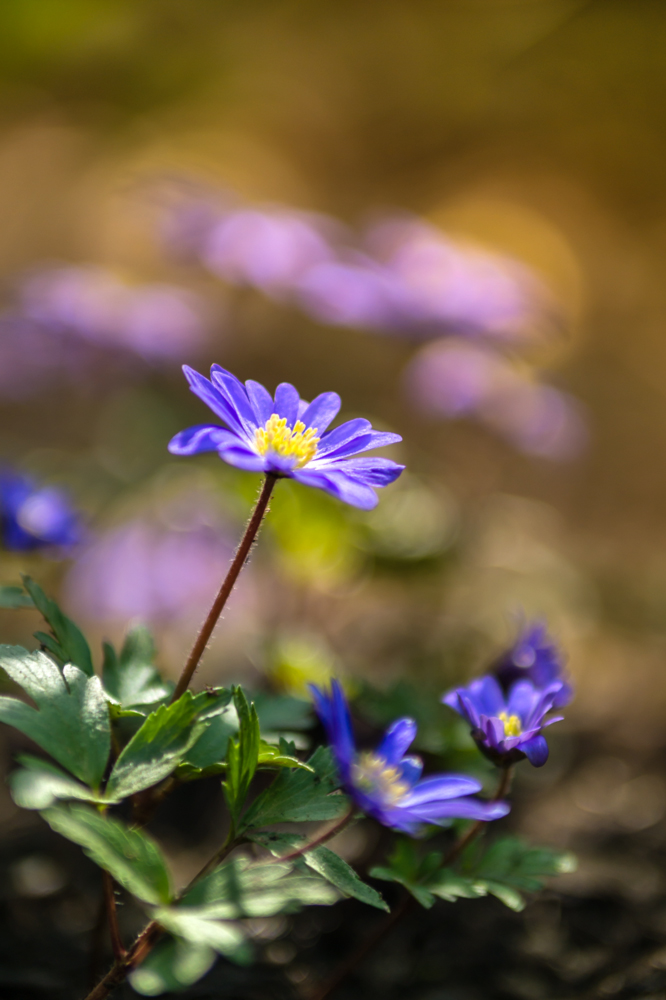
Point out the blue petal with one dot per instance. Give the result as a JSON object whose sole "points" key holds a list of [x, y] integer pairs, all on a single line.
{"points": [[321, 411], [522, 700], [463, 808], [261, 400], [397, 739], [286, 403], [487, 695], [243, 458], [333, 712], [214, 399], [339, 485], [412, 768], [441, 786], [202, 437], [341, 435], [236, 396], [536, 750], [372, 471], [362, 442]]}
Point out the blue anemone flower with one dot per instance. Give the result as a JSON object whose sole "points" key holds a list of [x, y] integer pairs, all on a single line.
{"points": [[33, 516], [507, 727], [288, 437], [536, 658], [386, 784]]}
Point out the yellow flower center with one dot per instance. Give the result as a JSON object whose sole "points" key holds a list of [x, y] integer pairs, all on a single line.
{"points": [[370, 773], [512, 726], [289, 442]]}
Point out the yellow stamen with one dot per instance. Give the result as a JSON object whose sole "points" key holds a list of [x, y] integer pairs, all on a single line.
{"points": [[512, 725], [289, 442], [371, 773]]}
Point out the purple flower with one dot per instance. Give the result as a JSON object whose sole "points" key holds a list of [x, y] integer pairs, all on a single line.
{"points": [[507, 727], [386, 784], [534, 657], [35, 517], [287, 437], [453, 379]]}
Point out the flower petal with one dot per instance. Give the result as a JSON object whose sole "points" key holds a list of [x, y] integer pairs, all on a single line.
{"points": [[236, 396], [397, 739], [339, 485], [261, 400], [243, 458], [214, 399], [333, 711], [536, 750], [202, 437], [412, 768], [286, 403], [341, 435], [373, 471], [463, 808], [362, 442], [441, 786], [321, 411]]}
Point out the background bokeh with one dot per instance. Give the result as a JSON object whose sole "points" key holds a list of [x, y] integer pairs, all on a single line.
{"points": [[529, 134]]}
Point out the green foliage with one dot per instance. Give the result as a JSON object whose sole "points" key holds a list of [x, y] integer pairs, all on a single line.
{"points": [[198, 927], [71, 721], [38, 784], [242, 757], [15, 597], [172, 966], [207, 755], [283, 755], [158, 747], [239, 888], [509, 868], [130, 856], [66, 642], [130, 679], [326, 863], [300, 796], [282, 712]]}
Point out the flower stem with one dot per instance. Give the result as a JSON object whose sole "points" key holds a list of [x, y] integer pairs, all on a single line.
{"points": [[112, 916], [239, 559], [322, 838], [380, 932]]}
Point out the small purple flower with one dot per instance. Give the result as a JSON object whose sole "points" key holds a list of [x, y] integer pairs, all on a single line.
{"points": [[288, 437], [386, 784], [35, 517], [536, 658], [507, 727]]}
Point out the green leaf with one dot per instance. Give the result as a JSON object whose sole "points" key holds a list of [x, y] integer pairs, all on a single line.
{"points": [[449, 885], [173, 965], [242, 756], [67, 642], [238, 888], [283, 712], [280, 756], [326, 863], [38, 784], [198, 927], [159, 745], [207, 756], [299, 796], [72, 723], [15, 597], [131, 679], [419, 892], [130, 856]]}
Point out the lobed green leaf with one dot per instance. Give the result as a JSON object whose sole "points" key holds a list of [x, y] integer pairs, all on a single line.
{"points": [[299, 796], [172, 966], [130, 856], [67, 642], [71, 721], [38, 784]]}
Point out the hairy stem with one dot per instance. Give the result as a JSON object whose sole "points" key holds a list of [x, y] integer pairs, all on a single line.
{"points": [[380, 932], [242, 553], [112, 916]]}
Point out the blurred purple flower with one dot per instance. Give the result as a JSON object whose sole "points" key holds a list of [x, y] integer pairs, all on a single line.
{"points": [[386, 784], [453, 378], [507, 728], [288, 437], [536, 658], [148, 570], [158, 321], [34, 516]]}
